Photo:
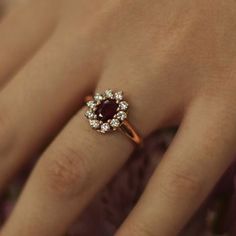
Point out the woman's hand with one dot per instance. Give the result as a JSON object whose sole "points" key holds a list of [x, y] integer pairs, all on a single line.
{"points": [[175, 61]]}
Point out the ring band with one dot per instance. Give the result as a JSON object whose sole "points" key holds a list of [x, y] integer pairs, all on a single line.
{"points": [[129, 131], [108, 112]]}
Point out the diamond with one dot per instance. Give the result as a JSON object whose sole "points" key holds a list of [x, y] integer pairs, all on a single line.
{"points": [[109, 93], [115, 123], [94, 124], [121, 115], [105, 127], [90, 114], [123, 105], [91, 104], [106, 110], [98, 97], [119, 95]]}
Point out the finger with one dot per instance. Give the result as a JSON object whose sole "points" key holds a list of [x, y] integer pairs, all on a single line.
{"points": [[201, 152], [78, 164], [6, 6], [41, 98], [22, 31]]}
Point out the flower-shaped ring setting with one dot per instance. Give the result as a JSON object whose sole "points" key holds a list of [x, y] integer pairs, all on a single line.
{"points": [[108, 112]]}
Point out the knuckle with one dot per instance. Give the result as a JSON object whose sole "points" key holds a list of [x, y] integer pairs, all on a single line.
{"points": [[90, 29], [182, 184], [67, 171]]}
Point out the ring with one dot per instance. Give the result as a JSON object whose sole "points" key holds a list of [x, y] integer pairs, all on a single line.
{"points": [[108, 112]]}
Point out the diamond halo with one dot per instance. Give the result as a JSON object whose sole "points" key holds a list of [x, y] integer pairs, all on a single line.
{"points": [[106, 111]]}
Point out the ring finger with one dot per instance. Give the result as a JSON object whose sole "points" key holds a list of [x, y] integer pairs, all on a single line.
{"points": [[80, 162]]}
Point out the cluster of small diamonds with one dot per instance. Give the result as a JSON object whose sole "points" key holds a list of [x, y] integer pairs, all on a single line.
{"points": [[118, 118]]}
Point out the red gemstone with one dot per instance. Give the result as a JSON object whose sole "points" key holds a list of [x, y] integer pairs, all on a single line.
{"points": [[106, 110]]}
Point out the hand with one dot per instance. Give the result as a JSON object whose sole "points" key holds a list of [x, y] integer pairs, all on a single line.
{"points": [[174, 60]]}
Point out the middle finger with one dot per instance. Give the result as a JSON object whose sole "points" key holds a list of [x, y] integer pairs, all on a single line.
{"points": [[40, 98], [79, 162]]}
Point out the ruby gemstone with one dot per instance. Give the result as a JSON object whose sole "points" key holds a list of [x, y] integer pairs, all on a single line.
{"points": [[106, 110]]}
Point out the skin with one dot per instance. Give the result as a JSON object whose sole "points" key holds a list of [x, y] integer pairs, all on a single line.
{"points": [[175, 62]]}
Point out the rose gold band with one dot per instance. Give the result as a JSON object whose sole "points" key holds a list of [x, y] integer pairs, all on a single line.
{"points": [[129, 131], [125, 127]]}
